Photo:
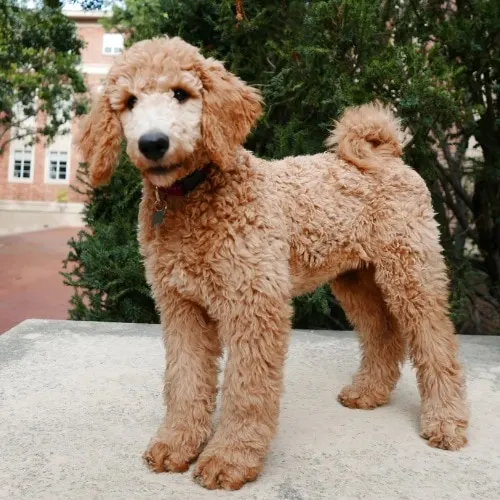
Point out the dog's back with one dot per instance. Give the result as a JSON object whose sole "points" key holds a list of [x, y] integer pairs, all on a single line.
{"points": [[331, 202]]}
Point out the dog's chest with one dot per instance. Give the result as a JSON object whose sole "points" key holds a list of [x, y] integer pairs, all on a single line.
{"points": [[189, 261]]}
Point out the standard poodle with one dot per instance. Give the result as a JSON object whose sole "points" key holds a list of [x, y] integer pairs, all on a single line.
{"points": [[229, 239]]}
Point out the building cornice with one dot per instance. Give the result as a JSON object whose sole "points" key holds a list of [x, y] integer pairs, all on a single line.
{"points": [[94, 68], [86, 15]]}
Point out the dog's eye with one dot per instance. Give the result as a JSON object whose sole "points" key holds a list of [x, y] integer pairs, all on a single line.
{"points": [[131, 101], [180, 95]]}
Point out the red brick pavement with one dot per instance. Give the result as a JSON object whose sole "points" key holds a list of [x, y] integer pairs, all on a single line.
{"points": [[30, 283]]}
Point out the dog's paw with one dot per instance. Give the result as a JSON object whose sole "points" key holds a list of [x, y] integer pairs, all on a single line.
{"points": [[227, 471], [164, 456], [359, 397], [445, 434]]}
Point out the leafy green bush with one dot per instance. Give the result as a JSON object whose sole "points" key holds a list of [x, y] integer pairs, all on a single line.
{"points": [[103, 264], [438, 65]]}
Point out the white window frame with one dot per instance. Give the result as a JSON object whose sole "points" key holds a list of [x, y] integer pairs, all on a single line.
{"points": [[52, 149], [109, 41], [13, 147], [55, 146]]}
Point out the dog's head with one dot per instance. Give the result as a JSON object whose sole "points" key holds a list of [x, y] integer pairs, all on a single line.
{"points": [[175, 109]]}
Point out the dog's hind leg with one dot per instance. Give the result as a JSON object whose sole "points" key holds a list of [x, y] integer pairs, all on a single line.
{"points": [[382, 344], [415, 286]]}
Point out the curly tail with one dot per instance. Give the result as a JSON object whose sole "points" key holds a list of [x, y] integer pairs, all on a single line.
{"points": [[368, 136]]}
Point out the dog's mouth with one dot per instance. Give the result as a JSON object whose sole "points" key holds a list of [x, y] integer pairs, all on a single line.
{"points": [[163, 170]]}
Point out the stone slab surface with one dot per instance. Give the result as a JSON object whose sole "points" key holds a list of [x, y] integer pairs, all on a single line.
{"points": [[79, 402]]}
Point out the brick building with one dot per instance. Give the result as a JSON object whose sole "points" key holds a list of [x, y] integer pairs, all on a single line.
{"points": [[35, 180]]}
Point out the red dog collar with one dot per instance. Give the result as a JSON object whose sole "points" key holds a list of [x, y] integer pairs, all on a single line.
{"points": [[179, 188], [189, 183]]}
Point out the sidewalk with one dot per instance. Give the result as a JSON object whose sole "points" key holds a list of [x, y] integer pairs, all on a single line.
{"points": [[30, 283]]}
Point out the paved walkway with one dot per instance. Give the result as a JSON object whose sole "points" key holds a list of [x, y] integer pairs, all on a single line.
{"points": [[80, 401], [30, 283]]}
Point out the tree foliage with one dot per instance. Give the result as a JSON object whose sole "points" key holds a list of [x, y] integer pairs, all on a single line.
{"points": [[437, 63], [103, 264], [39, 76]]}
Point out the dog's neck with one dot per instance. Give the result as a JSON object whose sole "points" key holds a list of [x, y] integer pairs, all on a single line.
{"points": [[173, 196], [186, 184]]}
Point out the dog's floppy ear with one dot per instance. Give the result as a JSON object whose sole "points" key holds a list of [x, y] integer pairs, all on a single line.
{"points": [[99, 141], [230, 110]]}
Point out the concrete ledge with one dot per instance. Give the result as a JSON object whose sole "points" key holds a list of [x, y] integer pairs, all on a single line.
{"points": [[26, 216], [41, 206], [80, 401]]}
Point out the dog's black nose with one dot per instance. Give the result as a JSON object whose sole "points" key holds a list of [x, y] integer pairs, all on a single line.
{"points": [[153, 145]]}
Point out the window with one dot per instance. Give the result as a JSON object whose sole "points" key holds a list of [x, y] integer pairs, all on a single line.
{"points": [[21, 152], [112, 44], [22, 167], [58, 166], [58, 159]]}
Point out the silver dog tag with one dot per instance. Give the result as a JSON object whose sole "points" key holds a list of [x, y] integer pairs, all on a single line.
{"points": [[158, 216]]}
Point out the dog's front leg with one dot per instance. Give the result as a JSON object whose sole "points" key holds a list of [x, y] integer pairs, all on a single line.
{"points": [[257, 338], [192, 349]]}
